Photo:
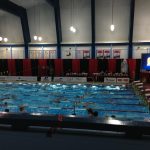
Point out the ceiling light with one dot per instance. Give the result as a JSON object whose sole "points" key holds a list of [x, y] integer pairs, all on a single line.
{"points": [[40, 38], [5, 40], [35, 37], [1, 38], [112, 27], [73, 29]]}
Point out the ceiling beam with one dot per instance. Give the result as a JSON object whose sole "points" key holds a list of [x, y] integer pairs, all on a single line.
{"points": [[131, 27], [19, 11], [51, 2], [56, 6], [10, 7]]}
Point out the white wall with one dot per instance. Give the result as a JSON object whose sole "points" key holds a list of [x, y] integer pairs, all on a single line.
{"points": [[104, 20], [80, 17], [139, 50], [42, 23], [10, 27], [142, 21], [12, 52], [18, 53], [5, 52]]}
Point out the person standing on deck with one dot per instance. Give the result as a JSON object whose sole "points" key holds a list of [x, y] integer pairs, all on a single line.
{"points": [[124, 66]]}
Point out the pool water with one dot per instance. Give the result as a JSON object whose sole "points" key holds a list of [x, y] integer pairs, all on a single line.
{"points": [[68, 99]]}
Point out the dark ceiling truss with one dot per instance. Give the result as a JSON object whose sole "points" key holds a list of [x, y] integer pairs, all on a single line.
{"points": [[131, 27], [56, 5], [19, 11]]}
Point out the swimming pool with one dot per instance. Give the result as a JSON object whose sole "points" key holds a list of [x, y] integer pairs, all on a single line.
{"points": [[68, 99]]}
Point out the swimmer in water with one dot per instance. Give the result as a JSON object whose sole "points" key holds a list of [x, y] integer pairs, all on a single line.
{"points": [[2, 99], [22, 108], [57, 100], [4, 105], [78, 96]]}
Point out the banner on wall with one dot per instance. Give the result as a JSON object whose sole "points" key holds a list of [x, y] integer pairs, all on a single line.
{"points": [[46, 54], [79, 54], [32, 54], [50, 54], [100, 54], [116, 53], [39, 54], [106, 53], [36, 54], [5, 53], [68, 53], [86, 54]]}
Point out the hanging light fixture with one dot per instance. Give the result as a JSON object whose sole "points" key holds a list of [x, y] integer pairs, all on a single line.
{"points": [[5, 39], [1, 39], [40, 38], [112, 26], [72, 28], [35, 37]]}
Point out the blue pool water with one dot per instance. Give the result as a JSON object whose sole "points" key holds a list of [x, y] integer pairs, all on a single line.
{"points": [[68, 99]]}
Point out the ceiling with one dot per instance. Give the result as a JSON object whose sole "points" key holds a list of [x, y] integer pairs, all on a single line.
{"points": [[24, 3], [3, 13], [28, 3]]}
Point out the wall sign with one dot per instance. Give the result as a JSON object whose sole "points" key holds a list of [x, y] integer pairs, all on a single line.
{"points": [[100, 54]]}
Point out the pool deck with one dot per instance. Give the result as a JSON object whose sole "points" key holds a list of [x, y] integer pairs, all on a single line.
{"points": [[21, 121]]}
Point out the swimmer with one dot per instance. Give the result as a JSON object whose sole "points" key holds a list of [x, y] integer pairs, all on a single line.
{"points": [[57, 100], [22, 108], [2, 99], [95, 114], [113, 116], [86, 104], [92, 113], [6, 110], [4, 105], [78, 96]]}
